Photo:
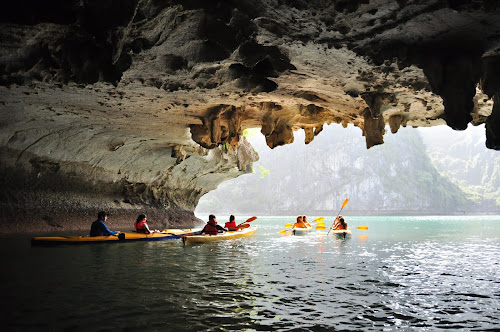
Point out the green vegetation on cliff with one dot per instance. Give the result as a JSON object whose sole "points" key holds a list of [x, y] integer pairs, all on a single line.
{"points": [[463, 158]]}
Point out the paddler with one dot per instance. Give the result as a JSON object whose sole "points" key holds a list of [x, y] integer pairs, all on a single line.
{"points": [[99, 228], [304, 220], [211, 227], [231, 224], [141, 225], [299, 223], [339, 224]]}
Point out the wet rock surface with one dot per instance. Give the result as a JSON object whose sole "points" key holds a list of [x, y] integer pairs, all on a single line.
{"points": [[141, 105]]}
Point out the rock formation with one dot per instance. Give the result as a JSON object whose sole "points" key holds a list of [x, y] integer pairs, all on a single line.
{"points": [[138, 106]]}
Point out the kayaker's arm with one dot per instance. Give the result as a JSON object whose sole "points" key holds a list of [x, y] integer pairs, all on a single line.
{"points": [[110, 232], [336, 224], [219, 227]]}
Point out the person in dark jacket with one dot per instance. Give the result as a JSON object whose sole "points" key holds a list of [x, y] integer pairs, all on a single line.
{"points": [[99, 227], [211, 227]]}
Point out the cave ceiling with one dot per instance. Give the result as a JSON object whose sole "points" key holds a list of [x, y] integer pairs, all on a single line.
{"points": [[143, 77], [220, 67]]}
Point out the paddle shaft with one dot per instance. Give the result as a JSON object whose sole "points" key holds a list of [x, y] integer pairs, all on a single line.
{"points": [[334, 222], [338, 214]]}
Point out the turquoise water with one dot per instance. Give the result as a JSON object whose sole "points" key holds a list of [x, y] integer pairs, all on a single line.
{"points": [[403, 273]]}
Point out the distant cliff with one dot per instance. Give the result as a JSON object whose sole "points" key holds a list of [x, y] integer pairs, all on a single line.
{"points": [[462, 157], [397, 177]]}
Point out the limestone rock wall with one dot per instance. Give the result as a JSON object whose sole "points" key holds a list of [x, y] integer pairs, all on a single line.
{"points": [[64, 177], [125, 96]]}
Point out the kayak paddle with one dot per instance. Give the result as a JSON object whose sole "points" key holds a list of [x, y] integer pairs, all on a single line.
{"points": [[363, 228], [244, 224], [250, 219], [344, 204], [286, 225]]}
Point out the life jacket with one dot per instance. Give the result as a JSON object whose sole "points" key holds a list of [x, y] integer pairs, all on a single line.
{"points": [[139, 226], [210, 228], [299, 224], [339, 226], [231, 225]]}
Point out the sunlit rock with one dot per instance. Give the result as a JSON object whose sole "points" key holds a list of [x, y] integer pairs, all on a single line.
{"points": [[133, 105]]}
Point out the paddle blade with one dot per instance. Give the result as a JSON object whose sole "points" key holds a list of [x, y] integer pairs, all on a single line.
{"points": [[321, 224], [250, 219], [283, 231], [243, 226], [345, 202], [320, 228], [319, 219], [288, 225], [363, 228]]}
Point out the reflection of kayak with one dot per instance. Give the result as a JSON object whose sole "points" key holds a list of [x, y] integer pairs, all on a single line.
{"points": [[342, 233], [202, 238], [168, 234], [301, 230]]}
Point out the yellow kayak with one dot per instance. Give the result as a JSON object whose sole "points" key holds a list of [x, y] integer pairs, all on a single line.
{"points": [[342, 233], [301, 230], [167, 234], [202, 238]]}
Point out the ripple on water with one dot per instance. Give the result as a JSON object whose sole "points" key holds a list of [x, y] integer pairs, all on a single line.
{"points": [[420, 280]]}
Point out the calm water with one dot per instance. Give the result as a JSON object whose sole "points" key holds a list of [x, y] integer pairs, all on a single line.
{"points": [[404, 273]]}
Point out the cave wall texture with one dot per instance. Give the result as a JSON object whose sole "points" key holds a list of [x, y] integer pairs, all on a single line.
{"points": [[140, 106]]}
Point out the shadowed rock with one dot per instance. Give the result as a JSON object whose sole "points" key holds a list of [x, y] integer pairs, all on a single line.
{"points": [[134, 105]]}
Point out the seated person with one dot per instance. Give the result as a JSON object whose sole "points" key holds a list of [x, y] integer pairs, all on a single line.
{"points": [[211, 227], [141, 224], [299, 223], [339, 223], [304, 220], [99, 227], [231, 224]]}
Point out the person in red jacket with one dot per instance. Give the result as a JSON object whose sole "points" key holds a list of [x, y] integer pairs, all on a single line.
{"points": [[211, 227], [141, 224], [231, 224]]}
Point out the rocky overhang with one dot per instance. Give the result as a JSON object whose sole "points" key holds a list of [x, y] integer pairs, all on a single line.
{"points": [[140, 106]]}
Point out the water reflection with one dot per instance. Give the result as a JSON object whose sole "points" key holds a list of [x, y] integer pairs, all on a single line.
{"points": [[362, 238], [397, 275]]}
